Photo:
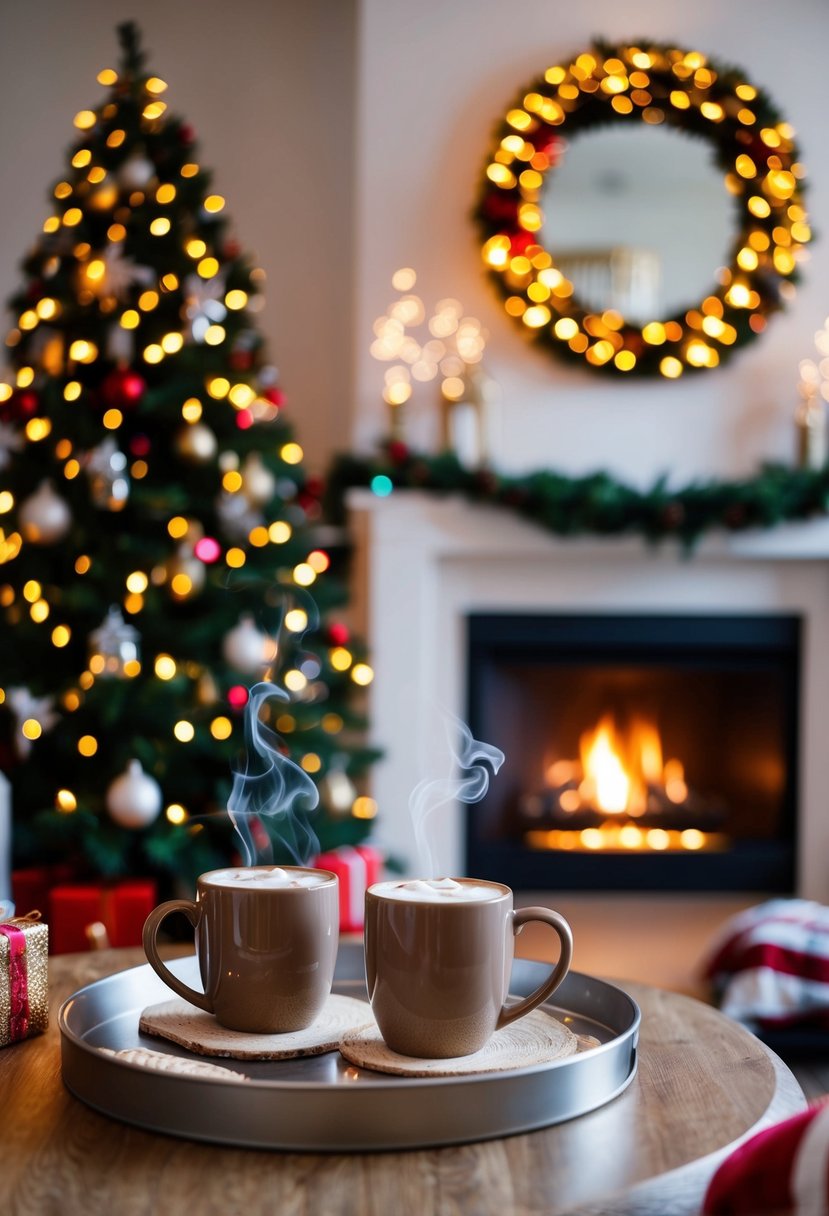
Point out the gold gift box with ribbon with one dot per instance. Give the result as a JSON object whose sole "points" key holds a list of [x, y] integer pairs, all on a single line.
{"points": [[24, 986]]}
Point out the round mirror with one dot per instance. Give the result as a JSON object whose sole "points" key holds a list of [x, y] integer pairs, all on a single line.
{"points": [[642, 210], [640, 220]]}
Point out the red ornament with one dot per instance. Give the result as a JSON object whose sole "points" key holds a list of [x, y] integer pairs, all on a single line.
{"points": [[21, 405], [140, 445], [314, 487], [244, 420], [230, 250], [398, 451], [521, 241], [123, 389], [549, 144], [338, 633], [241, 360], [274, 395], [186, 134], [237, 696], [500, 207], [310, 506]]}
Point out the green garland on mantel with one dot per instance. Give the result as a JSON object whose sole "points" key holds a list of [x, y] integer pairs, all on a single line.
{"points": [[596, 504]]}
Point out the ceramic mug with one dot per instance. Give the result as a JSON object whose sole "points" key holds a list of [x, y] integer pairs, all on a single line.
{"points": [[266, 940], [438, 966]]}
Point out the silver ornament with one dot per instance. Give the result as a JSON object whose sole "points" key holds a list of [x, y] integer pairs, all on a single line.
{"points": [[109, 483], [246, 649], [24, 707], [337, 790], [11, 440], [237, 516], [136, 172], [258, 482], [112, 645], [134, 799], [185, 568], [196, 443], [44, 517]]}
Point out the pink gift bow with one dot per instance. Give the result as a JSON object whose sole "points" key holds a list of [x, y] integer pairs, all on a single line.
{"points": [[18, 978]]}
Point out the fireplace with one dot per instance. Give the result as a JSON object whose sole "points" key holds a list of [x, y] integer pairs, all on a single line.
{"points": [[426, 565], [644, 752]]}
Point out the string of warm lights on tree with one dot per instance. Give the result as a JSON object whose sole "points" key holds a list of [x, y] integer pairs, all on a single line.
{"points": [[157, 528]]}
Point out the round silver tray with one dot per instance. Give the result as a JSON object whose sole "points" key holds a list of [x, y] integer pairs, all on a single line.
{"points": [[324, 1104]]}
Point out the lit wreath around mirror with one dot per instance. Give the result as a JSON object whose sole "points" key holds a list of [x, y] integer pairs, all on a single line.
{"points": [[751, 144]]}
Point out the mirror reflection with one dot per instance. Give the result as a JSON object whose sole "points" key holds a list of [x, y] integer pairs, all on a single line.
{"points": [[638, 219]]}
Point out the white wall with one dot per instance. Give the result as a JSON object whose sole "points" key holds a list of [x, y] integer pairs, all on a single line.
{"points": [[435, 78], [268, 87]]}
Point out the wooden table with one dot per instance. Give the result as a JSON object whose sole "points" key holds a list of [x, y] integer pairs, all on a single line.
{"points": [[703, 1084]]}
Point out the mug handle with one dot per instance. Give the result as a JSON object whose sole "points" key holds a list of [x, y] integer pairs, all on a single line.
{"points": [[520, 917], [151, 926]]}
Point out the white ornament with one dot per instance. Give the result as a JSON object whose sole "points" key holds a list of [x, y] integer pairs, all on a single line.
{"points": [[121, 272], [136, 172], [337, 789], [109, 482], [10, 441], [237, 516], [196, 443], [185, 562], [258, 482], [246, 649], [203, 303], [45, 517], [24, 706], [134, 799], [114, 643]]}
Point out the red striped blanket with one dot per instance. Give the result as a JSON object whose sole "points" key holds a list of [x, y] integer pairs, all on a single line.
{"points": [[770, 964], [782, 1170]]}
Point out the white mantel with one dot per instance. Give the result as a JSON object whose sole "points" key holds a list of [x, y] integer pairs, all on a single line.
{"points": [[426, 562]]}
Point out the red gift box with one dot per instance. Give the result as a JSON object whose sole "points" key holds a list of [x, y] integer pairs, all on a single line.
{"points": [[121, 907], [31, 887], [357, 868]]}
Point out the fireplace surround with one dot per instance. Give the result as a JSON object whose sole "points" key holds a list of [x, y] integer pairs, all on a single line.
{"points": [[426, 565]]}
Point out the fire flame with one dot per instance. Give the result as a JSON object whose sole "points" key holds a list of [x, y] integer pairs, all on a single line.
{"points": [[618, 766], [621, 774]]}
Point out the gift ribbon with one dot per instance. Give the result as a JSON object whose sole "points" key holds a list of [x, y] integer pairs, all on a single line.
{"points": [[18, 983]]}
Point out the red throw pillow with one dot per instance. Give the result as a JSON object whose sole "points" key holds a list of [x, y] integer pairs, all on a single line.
{"points": [[784, 1168], [770, 965]]}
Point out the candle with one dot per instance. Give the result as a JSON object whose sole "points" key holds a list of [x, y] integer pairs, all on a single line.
{"points": [[812, 433], [464, 433]]}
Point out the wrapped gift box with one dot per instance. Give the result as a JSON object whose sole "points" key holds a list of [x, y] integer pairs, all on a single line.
{"points": [[24, 990], [357, 868], [31, 887], [121, 907]]}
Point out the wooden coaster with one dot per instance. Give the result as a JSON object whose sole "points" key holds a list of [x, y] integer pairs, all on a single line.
{"points": [[537, 1038], [159, 1061], [190, 1027]]}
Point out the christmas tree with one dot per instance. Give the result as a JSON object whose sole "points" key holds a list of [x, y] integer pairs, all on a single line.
{"points": [[160, 542]]}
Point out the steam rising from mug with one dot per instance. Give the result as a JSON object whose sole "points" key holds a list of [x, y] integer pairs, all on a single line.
{"points": [[429, 795], [271, 788]]}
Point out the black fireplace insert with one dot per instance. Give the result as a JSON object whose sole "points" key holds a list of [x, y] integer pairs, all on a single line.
{"points": [[642, 752]]}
